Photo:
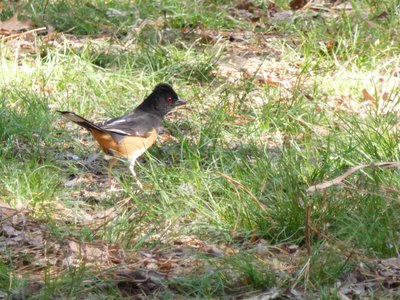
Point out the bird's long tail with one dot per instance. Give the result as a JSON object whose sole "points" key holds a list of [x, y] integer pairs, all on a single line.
{"points": [[80, 121]]}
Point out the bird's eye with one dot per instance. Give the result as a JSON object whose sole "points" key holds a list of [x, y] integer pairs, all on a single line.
{"points": [[169, 99]]}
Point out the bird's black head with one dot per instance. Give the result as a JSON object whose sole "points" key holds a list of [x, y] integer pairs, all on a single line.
{"points": [[162, 100]]}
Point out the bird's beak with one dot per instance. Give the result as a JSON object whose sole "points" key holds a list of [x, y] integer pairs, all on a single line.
{"points": [[180, 102]]}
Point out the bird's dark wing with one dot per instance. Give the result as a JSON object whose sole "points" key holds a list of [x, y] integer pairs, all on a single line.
{"points": [[134, 124]]}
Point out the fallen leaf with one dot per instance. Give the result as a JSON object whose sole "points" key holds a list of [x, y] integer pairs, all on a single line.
{"points": [[78, 252], [166, 266], [368, 96], [297, 4], [13, 25], [393, 262], [213, 250], [152, 266], [208, 36], [7, 211], [385, 96], [10, 231], [292, 248], [231, 251], [330, 44], [242, 119], [368, 279], [267, 80], [245, 4], [343, 6], [328, 47], [132, 282], [283, 15], [271, 294]]}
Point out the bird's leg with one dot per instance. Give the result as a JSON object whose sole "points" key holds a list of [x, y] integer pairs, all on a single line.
{"points": [[111, 164], [131, 167]]}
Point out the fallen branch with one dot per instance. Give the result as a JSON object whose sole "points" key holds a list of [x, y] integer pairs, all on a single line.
{"points": [[20, 34], [338, 180]]}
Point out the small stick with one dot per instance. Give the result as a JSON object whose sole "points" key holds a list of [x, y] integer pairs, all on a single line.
{"points": [[22, 33], [338, 180]]}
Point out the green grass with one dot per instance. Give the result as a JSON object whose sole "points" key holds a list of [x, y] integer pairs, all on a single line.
{"points": [[231, 151]]}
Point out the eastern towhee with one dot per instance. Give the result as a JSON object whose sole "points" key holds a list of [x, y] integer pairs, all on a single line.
{"points": [[131, 135]]}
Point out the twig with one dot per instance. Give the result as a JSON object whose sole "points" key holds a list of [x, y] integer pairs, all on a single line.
{"points": [[307, 5], [302, 273], [339, 179], [22, 33], [244, 188]]}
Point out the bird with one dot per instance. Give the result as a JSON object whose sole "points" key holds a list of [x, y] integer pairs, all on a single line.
{"points": [[130, 135]]}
